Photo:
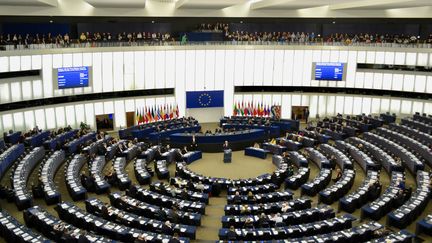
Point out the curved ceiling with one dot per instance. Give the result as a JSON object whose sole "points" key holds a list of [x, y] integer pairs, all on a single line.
{"points": [[221, 8]]}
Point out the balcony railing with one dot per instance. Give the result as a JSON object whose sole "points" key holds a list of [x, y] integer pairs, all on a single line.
{"points": [[11, 47]]}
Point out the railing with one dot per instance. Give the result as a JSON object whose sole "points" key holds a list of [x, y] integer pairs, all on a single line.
{"points": [[11, 47]]}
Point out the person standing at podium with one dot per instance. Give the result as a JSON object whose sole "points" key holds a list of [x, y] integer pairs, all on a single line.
{"points": [[193, 145], [227, 152], [226, 146]]}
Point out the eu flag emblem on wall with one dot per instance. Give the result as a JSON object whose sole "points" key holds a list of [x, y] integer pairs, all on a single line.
{"points": [[204, 99]]}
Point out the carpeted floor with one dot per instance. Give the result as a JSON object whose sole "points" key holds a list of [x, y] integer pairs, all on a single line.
{"points": [[212, 165]]}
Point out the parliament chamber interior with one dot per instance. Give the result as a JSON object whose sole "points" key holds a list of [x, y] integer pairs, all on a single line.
{"points": [[215, 121]]}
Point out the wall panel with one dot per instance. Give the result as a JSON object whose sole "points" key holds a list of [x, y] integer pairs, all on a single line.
{"points": [[160, 65], [199, 70], [210, 60]]}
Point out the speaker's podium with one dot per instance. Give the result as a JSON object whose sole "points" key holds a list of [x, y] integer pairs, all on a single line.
{"points": [[227, 155]]}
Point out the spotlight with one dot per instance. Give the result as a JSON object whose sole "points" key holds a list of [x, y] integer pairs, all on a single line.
{"points": [[153, 21]]}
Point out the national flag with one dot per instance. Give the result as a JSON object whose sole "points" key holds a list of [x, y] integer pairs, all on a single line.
{"points": [[235, 109], [137, 115], [167, 112], [159, 113], [171, 111], [145, 114], [153, 114], [177, 112], [255, 110]]}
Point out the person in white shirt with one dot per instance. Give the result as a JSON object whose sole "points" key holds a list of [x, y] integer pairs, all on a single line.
{"points": [[284, 207]]}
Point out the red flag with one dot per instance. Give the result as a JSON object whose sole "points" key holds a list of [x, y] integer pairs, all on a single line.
{"points": [[172, 111], [255, 111]]}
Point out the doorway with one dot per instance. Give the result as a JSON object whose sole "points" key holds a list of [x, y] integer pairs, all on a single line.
{"points": [[130, 119], [300, 113]]}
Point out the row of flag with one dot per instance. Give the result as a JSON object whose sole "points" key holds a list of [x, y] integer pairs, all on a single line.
{"points": [[156, 113], [251, 109]]}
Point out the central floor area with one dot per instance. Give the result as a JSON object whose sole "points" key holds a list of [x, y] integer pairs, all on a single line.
{"points": [[241, 167]]}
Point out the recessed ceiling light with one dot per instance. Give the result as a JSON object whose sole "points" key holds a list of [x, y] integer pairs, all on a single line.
{"points": [[153, 21]]}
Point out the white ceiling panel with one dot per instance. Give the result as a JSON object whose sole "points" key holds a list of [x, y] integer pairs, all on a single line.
{"points": [[393, 4], [28, 2], [339, 4], [117, 3], [211, 4], [293, 4]]}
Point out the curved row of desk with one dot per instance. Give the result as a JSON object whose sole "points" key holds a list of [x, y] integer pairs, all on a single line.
{"points": [[24, 198], [238, 140], [46, 175]]}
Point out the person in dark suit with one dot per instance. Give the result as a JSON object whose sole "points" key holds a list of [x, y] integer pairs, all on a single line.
{"points": [[175, 238], [184, 150], [231, 234], [173, 216], [84, 179], [263, 221], [193, 146], [306, 114], [104, 212], [161, 215], [184, 195], [237, 198], [167, 228], [226, 145]]}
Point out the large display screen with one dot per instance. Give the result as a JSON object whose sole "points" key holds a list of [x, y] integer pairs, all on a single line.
{"points": [[73, 77], [331, 71]]}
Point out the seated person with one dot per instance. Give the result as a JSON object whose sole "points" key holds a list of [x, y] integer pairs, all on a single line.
{"points": [[244, 209], [249, 223], [184, 195], [175, 238], [284, 208], [374, 189], [256, 145], [200, 186], [251, 197], [173, 215], [263, 221], [237, 198], [338, 175], [121, 149], [167, 228], [111, 177], [290, 170], [231, 234]]}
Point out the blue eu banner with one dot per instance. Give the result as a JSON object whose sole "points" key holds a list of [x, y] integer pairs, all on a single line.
{"points": [[204, 99]]}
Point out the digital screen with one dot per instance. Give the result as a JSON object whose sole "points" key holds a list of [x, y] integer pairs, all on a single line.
{"points": [[73, 77], [329, 71]]}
